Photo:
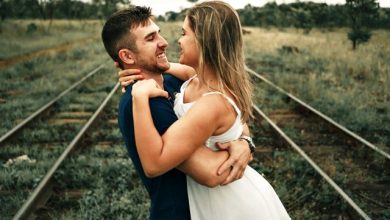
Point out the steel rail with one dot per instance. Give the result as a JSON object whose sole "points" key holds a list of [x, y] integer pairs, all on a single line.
{"points": [[43, 189], [46, 106], [313, 164], [321, 115]]}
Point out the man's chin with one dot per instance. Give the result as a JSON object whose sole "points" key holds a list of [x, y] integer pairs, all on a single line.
{"points": [[164, 67]]}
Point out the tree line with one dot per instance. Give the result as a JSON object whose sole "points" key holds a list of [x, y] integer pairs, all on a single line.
{"points": [[59, 9], [304, 15], [359, 15], [309, 14]]}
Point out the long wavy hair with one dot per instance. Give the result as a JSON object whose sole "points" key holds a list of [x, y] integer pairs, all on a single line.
{"points": [[219, 38]]}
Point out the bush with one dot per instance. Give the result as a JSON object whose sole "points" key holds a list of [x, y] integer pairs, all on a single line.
{"points": [[31, 28]]}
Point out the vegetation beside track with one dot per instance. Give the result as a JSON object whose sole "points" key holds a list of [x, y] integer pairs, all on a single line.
{"points": [[24, 36], [100, 182]]}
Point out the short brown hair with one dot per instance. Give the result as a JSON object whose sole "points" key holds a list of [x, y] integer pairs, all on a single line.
{"points": [[116, 33]]}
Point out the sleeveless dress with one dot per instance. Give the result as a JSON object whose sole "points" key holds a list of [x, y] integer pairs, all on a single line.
{"points": [[249, 198]]}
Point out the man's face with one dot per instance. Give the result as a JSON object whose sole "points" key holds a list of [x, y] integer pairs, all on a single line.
{"points": [[150, 55]]}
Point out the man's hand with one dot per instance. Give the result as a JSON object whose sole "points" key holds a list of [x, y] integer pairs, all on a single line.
{"points": [[239, 157], [128, 76]]}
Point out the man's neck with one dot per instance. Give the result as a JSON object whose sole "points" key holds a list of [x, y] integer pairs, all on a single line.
{"points": [[149, 75], [156, 76]]}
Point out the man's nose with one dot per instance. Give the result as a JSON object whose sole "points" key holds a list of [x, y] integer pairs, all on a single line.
{"points": [[163, 43]]}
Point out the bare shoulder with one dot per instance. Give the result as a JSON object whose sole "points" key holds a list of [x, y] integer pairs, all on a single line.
{"points": [[215, 106], [213, 102]]}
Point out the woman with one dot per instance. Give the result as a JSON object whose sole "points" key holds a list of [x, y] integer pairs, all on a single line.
{"points": [[211, 107]]}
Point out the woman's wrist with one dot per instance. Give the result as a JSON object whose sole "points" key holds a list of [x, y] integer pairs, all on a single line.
{"points": [[139, 94]]}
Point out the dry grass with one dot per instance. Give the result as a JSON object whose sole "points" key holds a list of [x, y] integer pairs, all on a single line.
{"points": [[15, 39], [350, 86]]}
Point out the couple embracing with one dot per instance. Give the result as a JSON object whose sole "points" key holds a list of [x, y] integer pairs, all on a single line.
{"points": [[174, 131]]}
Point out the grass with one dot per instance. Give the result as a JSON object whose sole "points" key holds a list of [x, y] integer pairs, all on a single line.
{"points": [[349, 86], [43, 142], [28, 86], [17, 39]]}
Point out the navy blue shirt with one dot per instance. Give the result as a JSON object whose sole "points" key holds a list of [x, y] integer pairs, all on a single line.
{"points": [[168, 192]]}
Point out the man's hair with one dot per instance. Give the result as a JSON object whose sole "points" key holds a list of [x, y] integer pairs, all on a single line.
{"points": [[116, 33]]}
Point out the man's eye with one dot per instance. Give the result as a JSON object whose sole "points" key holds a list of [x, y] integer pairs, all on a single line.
{"points": [[150, 39]]}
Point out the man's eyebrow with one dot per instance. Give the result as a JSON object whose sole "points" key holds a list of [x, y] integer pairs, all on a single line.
{"points": [[151, 33]]}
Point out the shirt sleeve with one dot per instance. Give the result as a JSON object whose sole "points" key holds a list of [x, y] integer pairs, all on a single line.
{"points": [[162, 113]]}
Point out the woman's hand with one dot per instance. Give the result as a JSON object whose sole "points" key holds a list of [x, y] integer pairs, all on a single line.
{"points": [[148, 88], [128, 76]]}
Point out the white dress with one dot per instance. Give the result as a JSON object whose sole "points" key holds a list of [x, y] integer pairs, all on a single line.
{"points": [[249, 198]]}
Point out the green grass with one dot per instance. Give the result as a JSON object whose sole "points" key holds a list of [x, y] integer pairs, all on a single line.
{"points": [[16, 39], [349, 86], [27, 86]]}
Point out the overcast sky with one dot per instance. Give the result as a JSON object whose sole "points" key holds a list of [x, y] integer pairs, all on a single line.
{"points": [[159, 7]]}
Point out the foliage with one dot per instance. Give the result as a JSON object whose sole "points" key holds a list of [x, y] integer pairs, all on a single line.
{"points": [[348, 86], [299, 187], [49, 9], [305, 15], [360, 13], [23, 36]]}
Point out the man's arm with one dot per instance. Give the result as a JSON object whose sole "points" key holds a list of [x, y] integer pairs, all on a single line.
{"points": [[203, 165]]}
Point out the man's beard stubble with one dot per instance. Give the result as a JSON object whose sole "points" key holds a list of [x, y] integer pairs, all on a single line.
{"points": [[153, 68]]}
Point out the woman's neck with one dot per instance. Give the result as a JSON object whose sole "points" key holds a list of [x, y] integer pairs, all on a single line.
{"points": [[207, 79]]}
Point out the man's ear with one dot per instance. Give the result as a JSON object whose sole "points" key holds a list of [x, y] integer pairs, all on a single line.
{"points": [[126, 56]]}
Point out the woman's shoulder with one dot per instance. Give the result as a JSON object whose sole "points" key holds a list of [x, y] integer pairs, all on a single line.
{"points": [[217, 102]]}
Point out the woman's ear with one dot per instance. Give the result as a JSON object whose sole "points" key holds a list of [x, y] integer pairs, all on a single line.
{"points": [[126, 56]]}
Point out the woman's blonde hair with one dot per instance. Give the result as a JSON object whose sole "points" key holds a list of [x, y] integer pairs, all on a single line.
{"points": [[219, 37]]}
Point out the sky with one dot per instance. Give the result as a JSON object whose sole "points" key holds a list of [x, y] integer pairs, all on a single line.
{"points": [[159, 7]]}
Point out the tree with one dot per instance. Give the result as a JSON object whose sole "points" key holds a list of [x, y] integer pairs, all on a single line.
{"points": [[360, 13], [108, 7], [3, 9]]}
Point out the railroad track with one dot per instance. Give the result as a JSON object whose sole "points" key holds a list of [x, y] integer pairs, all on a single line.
{"points": [[44, 190], [356, 169], [46, 138], [58, 188], [46, 106], [98, 181]]}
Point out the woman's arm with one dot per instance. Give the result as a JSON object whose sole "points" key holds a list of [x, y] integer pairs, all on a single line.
{"points": [[181, 71], [160, 154]]}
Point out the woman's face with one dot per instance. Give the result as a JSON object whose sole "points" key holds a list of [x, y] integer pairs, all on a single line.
{"points": [[189, 53]]}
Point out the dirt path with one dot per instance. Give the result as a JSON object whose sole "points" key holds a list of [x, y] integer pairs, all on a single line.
{"points": [[58, 48]]}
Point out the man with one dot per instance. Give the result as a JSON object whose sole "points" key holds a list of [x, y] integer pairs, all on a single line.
{"points": [[133, 40]]}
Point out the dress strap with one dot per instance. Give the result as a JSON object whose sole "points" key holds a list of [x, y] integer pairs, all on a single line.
{"points": [[185, 84], [193, 77], [227, 98]]}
